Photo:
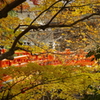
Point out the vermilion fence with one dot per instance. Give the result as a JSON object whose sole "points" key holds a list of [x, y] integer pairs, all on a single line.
{"points": [[67, 58], [59, 58]]}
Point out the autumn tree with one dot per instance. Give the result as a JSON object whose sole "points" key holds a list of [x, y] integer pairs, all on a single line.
{"points": [[55, 82], [36, 82], [82, 10]]}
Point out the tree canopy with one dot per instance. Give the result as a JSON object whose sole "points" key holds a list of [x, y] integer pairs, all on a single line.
{"points": [[72, 23], [67, 14]]}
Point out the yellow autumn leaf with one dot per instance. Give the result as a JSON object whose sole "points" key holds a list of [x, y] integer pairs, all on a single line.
{"points": [[84, 39], [69, 41], [62, 34]]}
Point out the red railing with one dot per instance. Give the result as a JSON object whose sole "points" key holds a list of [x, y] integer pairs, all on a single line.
{"points": [[70, 58]]}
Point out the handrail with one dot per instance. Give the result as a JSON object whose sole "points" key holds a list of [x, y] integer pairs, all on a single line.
{"points": [[22, 58]]}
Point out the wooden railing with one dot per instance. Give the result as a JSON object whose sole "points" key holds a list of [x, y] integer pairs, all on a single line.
{"points": [[69, 57]]}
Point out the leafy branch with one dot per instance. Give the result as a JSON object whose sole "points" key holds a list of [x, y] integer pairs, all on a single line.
{"points": [[9, 7]]}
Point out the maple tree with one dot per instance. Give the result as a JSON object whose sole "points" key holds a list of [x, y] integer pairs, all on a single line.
{"points": [[77, 9], [36, 82], [55, 82]]}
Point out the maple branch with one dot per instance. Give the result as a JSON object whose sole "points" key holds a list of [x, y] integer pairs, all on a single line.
{"points": [[57, 13], [19, 27], [89, 4], [43, 82], [37, 16], [9, 7], [91, 38], [29, 88], [75, 22], [49, 26], [19, 36], [43, 27], [44, 11], [8, 54]]}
